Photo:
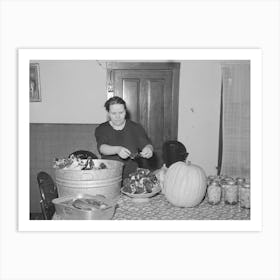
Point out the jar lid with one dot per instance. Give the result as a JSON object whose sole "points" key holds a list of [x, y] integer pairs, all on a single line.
{"points": [[228, 179], [240, 180], [214, 183], [230, 182]]}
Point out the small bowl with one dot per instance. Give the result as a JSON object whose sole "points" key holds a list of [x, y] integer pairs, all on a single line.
{"points": [[143, 197]]}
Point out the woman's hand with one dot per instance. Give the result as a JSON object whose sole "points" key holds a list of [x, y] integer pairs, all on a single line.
{"points": [[123, 152], [147, 151]]}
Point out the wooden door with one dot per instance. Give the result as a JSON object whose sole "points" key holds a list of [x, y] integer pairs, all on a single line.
{"points": [[151, 93]]}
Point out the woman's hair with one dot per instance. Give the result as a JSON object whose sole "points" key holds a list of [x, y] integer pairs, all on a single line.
{"points": [[114, 100]]}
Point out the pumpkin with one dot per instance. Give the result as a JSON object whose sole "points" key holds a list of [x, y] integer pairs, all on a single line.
{"points": [[160, 174], [185, 184]]}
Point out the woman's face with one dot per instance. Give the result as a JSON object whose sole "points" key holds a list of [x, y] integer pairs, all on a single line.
{"points": [[117, 114]]}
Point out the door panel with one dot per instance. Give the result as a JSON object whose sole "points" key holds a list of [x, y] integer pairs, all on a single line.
{"points": [[155, 104], [155, 117], [131, 89]]}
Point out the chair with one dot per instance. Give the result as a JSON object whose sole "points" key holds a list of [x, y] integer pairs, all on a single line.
{"points": [[82, 154], [48, 192]]}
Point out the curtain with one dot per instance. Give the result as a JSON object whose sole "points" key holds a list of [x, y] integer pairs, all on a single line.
{"points": [[235, 119]]}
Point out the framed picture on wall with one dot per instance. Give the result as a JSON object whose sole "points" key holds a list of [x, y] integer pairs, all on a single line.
{"points": [[34, 83]]}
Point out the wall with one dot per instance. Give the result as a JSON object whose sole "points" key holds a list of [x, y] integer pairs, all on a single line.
{"points": [[50, 141], [72, 92], [199, 109]]}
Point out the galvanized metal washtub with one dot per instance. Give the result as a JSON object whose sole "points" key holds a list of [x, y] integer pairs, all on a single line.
{"points": [[106, 181]]}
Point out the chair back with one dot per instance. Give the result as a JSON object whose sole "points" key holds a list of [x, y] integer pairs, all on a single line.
{"points": [[83, 154], [48, 192]]}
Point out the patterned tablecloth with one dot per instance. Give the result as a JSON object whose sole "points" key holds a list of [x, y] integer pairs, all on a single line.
{"points": [[158, 208]]}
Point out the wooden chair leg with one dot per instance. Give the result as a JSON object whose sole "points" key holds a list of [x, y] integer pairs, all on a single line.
{"points": [[43, 210]]}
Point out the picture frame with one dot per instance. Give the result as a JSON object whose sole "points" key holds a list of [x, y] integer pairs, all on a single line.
{"points": [[34, 83]]}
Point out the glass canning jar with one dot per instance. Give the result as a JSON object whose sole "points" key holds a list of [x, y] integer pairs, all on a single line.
{"points": [[230, 192], [224, 182], [210, 178], [244, 195], [214, 192], [240, 181]]}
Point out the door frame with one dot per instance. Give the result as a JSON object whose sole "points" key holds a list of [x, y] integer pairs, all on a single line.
{"points": [[112, 65]]}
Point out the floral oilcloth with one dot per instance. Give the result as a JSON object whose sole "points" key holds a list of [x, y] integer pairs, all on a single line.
{"points": [[158, 208]]}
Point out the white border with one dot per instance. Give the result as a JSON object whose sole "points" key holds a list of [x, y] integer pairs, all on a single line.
{"points": [[254, 55]]}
